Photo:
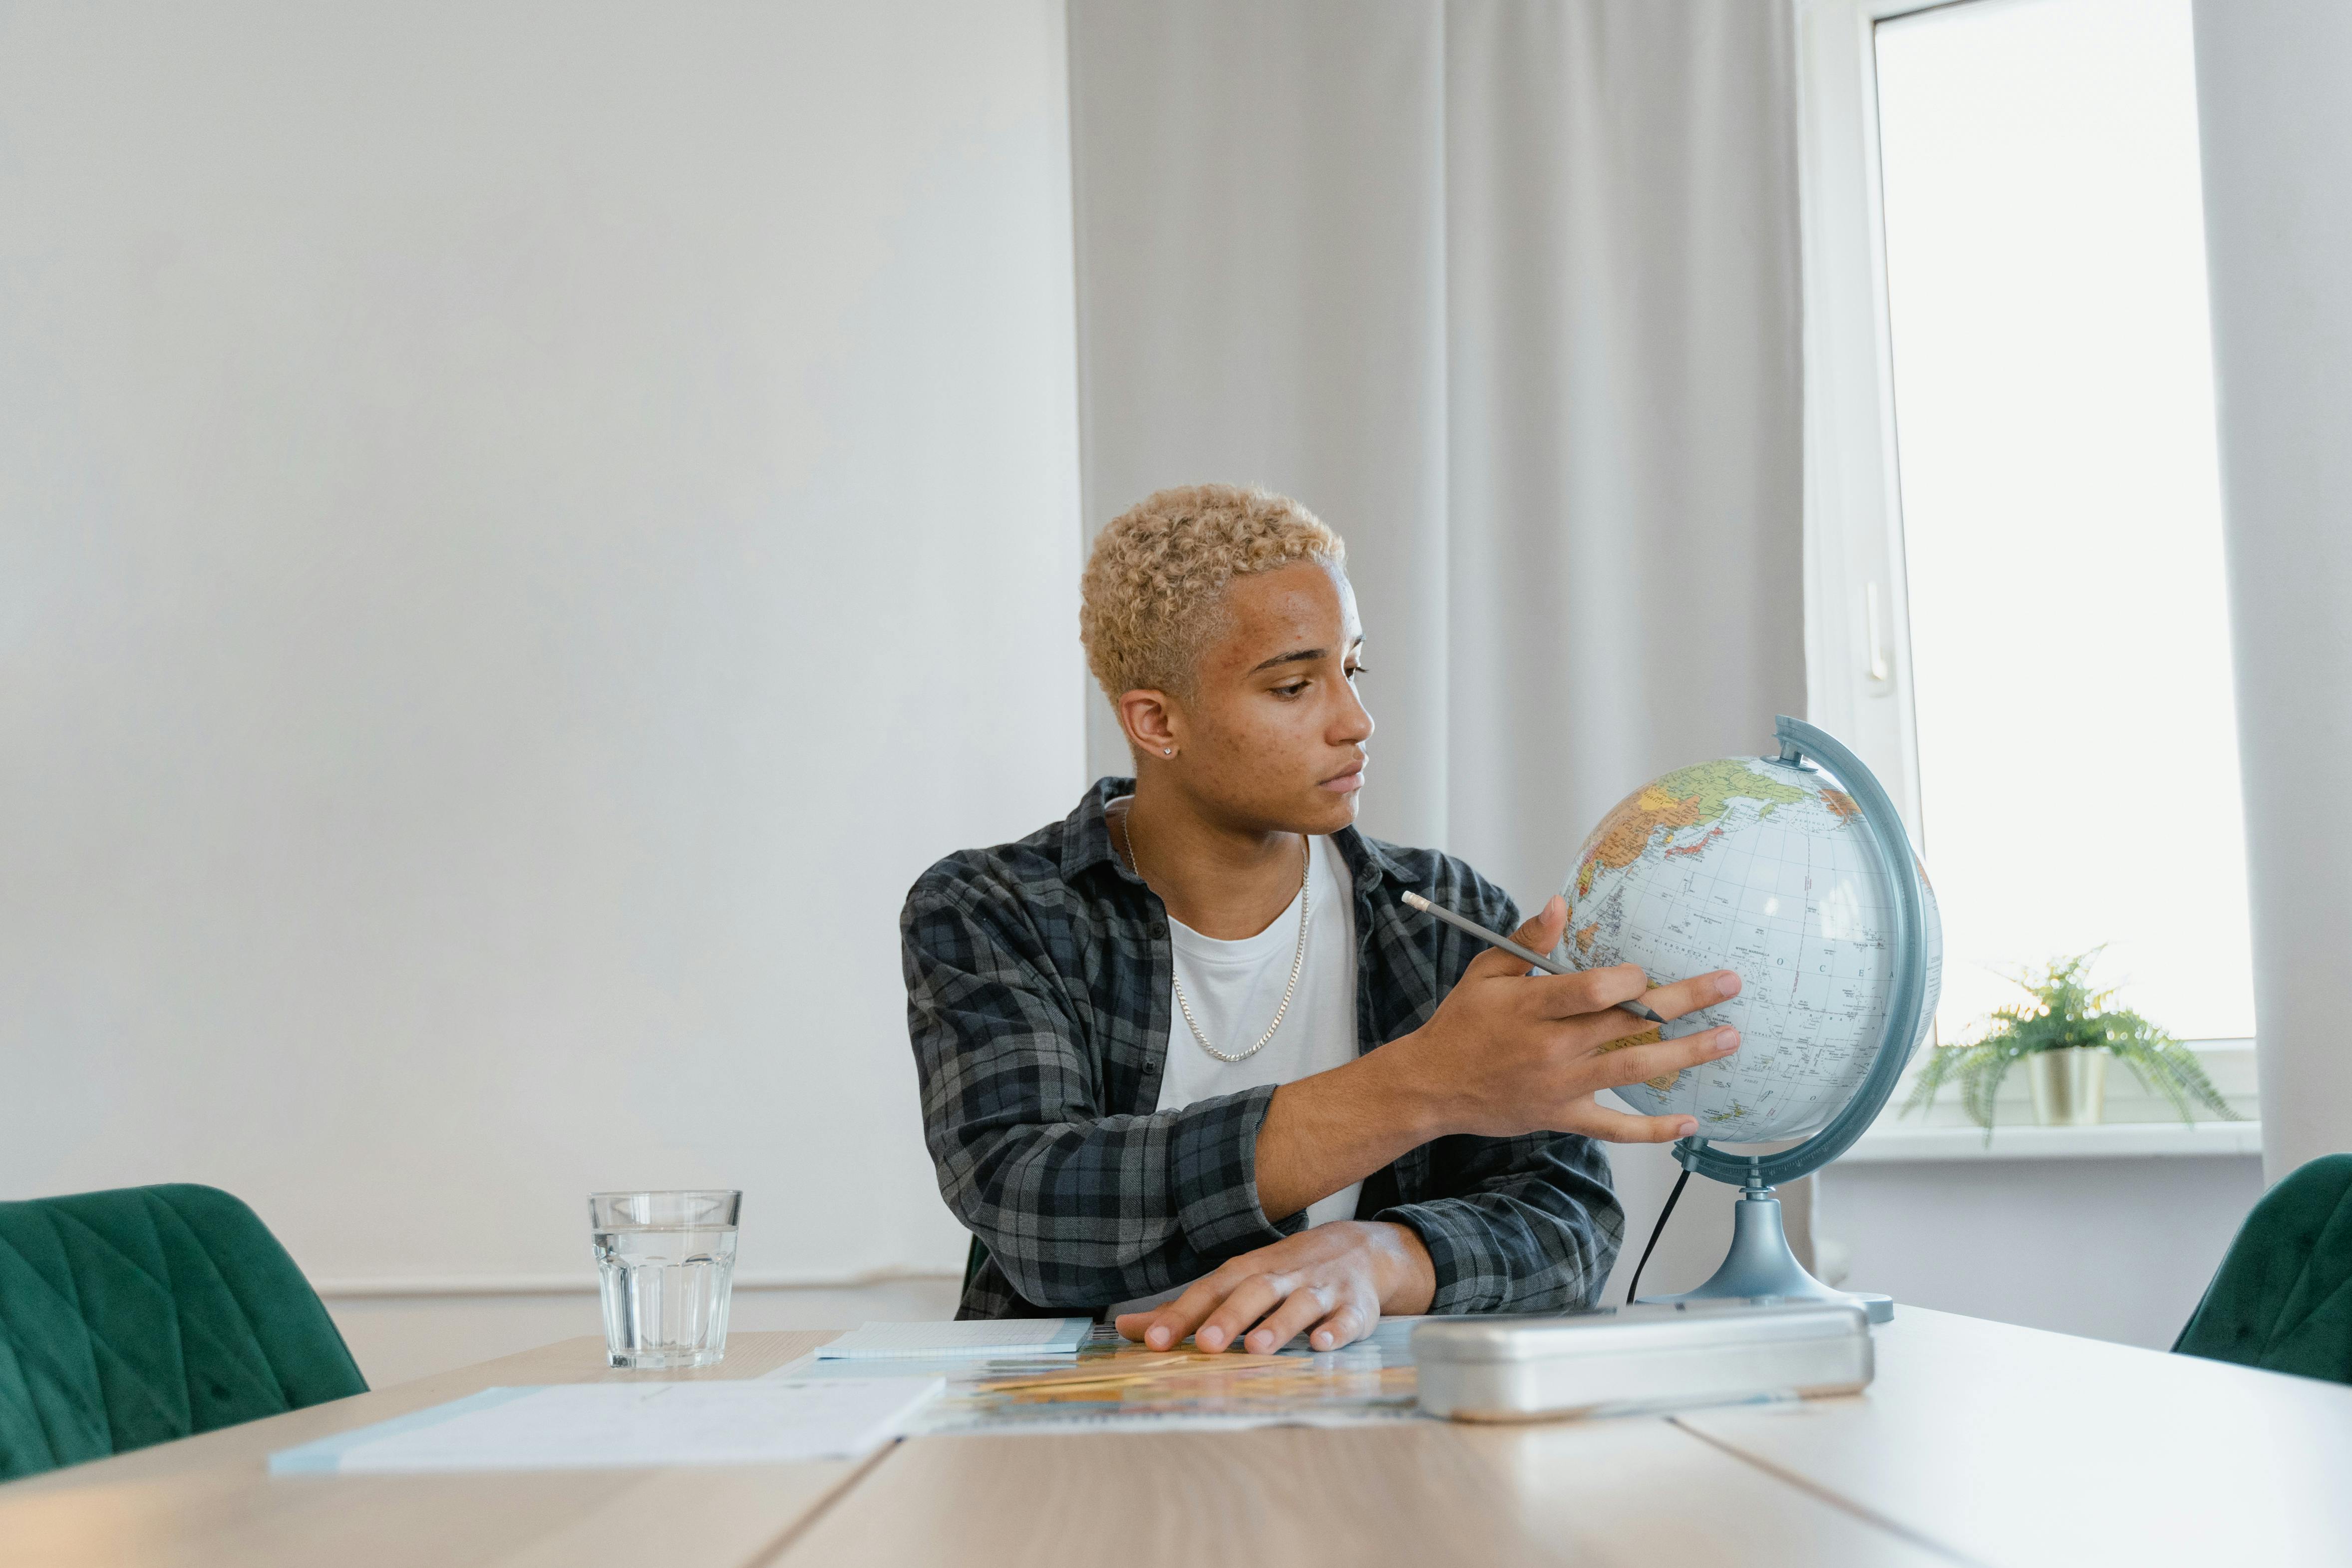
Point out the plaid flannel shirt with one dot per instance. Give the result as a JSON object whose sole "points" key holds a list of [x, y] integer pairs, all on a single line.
{"points": [[1038, 1000]]}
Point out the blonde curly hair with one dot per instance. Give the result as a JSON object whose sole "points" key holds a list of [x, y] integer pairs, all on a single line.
{"points": [[1153, 594]]}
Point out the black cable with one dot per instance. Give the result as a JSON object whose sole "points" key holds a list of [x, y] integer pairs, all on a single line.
{"points": [[1634, 1290]]}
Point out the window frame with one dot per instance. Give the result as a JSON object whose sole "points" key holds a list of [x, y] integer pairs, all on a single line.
{"points": [[1858, 617], [1857, 621]]}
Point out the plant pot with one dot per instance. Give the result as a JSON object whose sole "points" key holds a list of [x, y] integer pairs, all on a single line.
{"points": [[2070, 1086]]}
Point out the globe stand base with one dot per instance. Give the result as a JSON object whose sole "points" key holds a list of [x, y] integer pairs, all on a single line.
{"points": [[1761, 1264]]}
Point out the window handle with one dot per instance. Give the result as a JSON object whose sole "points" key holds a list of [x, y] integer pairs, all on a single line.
{"points": [[1882, 668]]}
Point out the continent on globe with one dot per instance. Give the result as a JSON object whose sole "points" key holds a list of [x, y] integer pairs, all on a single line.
{"points": [[1694, 797], [1763, 868]]}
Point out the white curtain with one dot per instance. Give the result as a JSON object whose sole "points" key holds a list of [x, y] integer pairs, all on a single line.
{"points": [[2277, 134], [1507, 290]]}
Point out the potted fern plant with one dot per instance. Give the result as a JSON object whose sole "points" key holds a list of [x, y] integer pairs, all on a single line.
{"points": [[2065, 1035]]}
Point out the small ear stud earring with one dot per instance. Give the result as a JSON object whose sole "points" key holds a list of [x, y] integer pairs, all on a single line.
{"points": [[1169, 749]]}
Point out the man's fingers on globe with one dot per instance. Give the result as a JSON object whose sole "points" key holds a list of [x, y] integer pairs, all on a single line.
{"points": [[1598, 992], [1587, 992], [1659, 1059], [1689, 995], [1617, 1127]]}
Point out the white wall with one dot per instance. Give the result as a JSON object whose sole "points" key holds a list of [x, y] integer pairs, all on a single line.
{"points": [[2113, 1249], [2277, 127], [2053, 1238], [522, 528]]}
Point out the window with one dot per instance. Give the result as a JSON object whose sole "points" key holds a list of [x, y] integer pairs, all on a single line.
{"points": [[2024, 616]]}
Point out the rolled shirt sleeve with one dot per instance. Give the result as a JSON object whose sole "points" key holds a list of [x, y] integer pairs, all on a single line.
{"points": [[1528, 1223], [1533, 1225]]}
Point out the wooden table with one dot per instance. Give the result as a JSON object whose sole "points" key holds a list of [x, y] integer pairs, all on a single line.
{"points": [[1979, 1443]]}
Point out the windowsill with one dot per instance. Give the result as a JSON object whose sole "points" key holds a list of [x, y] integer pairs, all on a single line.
{"points": [[1884, 1145]]}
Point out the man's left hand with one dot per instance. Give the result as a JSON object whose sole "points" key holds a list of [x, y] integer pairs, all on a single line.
{"points": [[1330, 1283]]}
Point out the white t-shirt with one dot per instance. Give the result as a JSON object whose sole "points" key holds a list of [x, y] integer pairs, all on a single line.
{"points": [[1234, 988]]}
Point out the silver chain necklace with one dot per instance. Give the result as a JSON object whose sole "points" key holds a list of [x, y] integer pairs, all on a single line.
{"points": [[1297, 959]]}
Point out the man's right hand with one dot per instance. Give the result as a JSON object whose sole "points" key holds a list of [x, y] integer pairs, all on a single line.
{"points": [[1508, 1053]]}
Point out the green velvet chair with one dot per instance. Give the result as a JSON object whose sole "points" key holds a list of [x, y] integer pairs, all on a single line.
{"points": [[152, 1313], [2282, 1298]]}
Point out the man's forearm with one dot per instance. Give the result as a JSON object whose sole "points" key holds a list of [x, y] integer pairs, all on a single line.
{"points": [[1337, 1127]]}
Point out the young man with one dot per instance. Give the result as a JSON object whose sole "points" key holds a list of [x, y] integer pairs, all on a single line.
{"points": [[1185, 1057]]}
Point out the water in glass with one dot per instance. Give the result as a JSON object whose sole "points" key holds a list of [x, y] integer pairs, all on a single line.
{"points": [[666, 1267]]}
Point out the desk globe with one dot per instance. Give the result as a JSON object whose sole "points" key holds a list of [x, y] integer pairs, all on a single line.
{"points": [[1794, 871]]}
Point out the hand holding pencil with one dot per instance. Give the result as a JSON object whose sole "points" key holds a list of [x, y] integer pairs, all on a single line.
{"points": [[1496, 939], [1508, 1053]]}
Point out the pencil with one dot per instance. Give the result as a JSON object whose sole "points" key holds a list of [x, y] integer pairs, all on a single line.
{"points": [[1496, 939]]}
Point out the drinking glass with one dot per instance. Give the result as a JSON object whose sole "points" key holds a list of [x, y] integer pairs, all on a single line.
{"points": [[666, 1259]]}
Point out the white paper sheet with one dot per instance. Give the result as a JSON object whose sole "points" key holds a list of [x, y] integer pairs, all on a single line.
{"points": [[609, 1425], [1003, 1336]]}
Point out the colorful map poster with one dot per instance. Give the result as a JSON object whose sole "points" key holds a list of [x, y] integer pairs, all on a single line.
{"points": [[1114, 1385]]}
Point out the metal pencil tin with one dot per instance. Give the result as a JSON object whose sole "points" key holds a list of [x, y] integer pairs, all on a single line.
{"points": [[1620, 1360]]}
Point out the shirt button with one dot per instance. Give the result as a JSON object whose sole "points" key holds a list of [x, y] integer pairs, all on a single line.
{"points": [[1158, 929]]}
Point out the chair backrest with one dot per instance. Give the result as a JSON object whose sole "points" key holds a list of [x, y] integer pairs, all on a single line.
{"points": [[2281, 1299], [139, 1315]]}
